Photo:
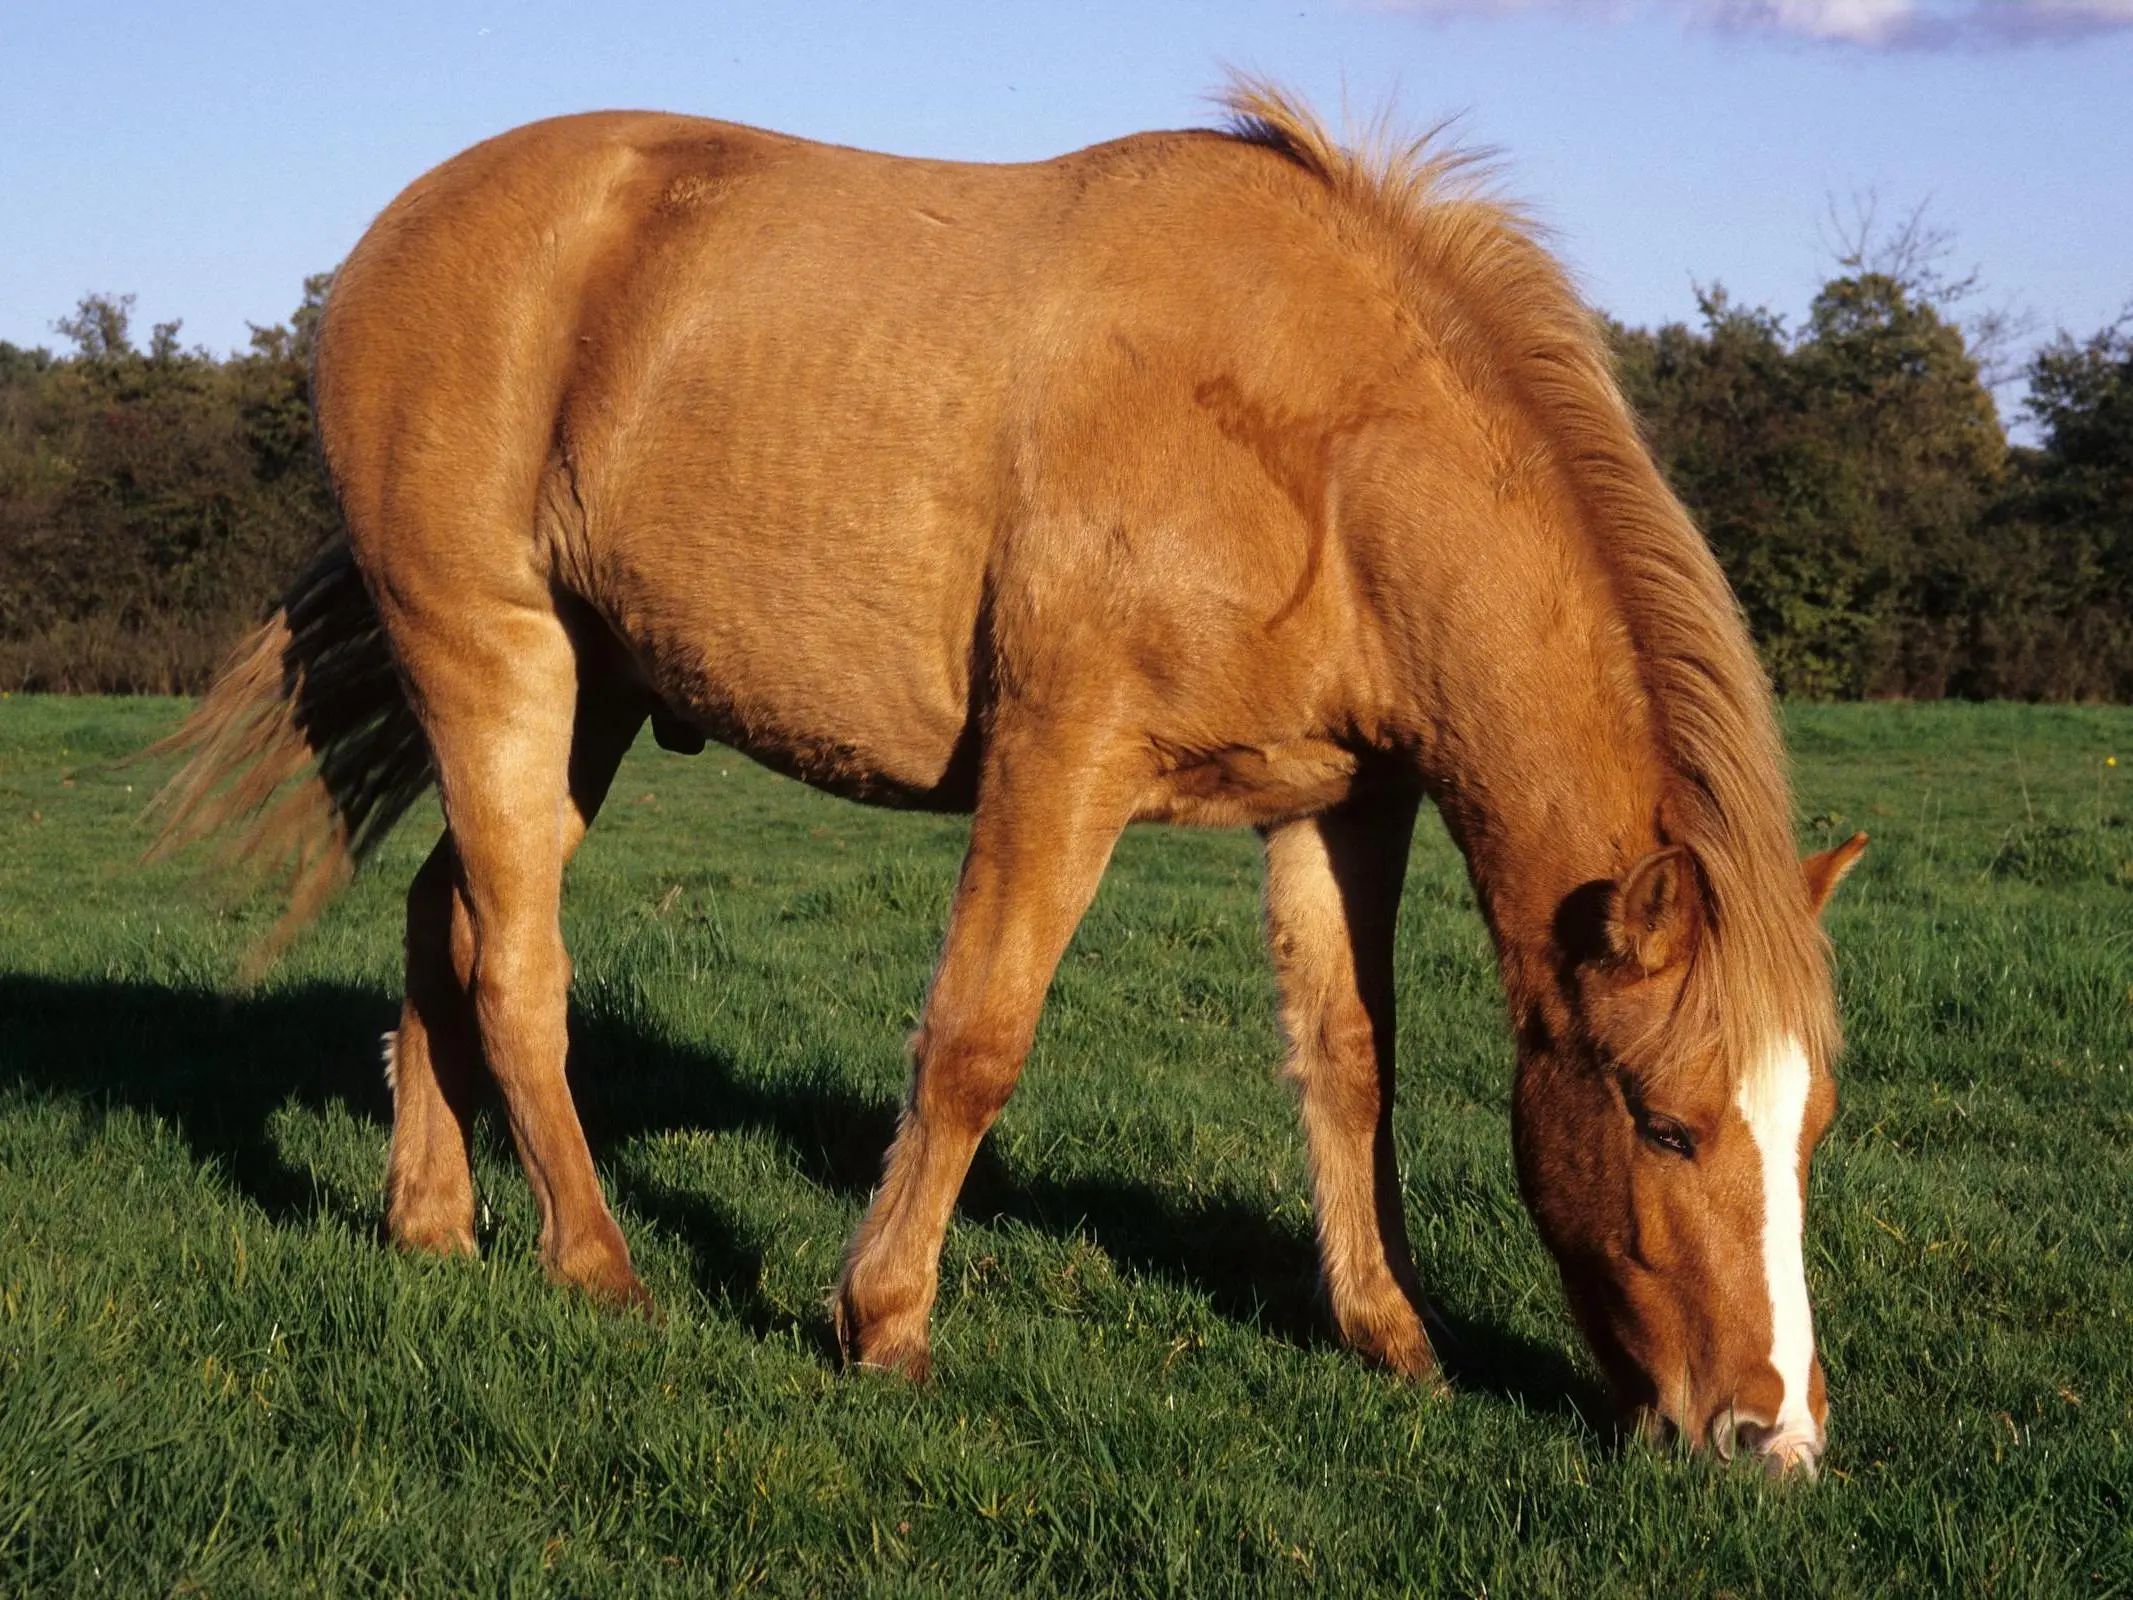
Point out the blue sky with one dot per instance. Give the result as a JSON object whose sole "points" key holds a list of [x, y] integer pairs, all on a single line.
{"points": [[206, 158]]}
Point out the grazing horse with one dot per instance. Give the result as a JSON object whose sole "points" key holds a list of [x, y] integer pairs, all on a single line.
{"points": [[1223, 477]]}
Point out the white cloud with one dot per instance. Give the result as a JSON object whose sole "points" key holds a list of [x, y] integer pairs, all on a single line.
{"points": [[1849, 21], [1873, 24]]}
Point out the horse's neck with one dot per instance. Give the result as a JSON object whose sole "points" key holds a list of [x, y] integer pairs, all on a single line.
{"points": [[1545, 810], [1507, 653], [1545, 762]]}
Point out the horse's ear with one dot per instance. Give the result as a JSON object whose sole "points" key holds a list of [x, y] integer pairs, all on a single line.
{"points": [[1653, 919], [1825, 869]]}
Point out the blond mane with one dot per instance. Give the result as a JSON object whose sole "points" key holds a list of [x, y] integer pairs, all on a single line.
{"points": [[1764, 971]]}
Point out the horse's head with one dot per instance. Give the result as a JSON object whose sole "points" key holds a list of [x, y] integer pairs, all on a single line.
{"points": [[1668, 1180]]}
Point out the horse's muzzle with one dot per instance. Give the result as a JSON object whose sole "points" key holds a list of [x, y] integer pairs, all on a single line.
{"points": [[1783, 1452], [1789, 1452]]}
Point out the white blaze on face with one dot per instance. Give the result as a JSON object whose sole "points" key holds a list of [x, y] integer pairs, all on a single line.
{"points": [[1774, 1103]]}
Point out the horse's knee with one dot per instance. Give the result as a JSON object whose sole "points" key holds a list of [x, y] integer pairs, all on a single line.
{"points": [[1336, 1063], [967, 1075], [519, 982]]}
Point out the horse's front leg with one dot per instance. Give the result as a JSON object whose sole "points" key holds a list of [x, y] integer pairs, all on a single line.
{"points": [[1332, 898], [1045, 825]]}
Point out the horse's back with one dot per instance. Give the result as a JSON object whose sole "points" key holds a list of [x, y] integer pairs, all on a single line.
{"points": [[795, 418]]}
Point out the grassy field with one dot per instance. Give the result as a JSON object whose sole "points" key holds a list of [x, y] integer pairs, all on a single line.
{"points": [[215, 1379]]}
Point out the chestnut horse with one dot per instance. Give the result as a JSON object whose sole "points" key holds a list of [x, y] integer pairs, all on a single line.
{"points": [[1219, 477]]}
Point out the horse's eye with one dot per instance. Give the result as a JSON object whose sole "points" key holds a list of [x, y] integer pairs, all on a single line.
{"points": [[1668, 1135]]}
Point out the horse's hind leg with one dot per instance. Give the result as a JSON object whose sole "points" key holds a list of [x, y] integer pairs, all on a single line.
{"points": [[1333, 894], [434, 1065], [523, 758], [1044, 829]]}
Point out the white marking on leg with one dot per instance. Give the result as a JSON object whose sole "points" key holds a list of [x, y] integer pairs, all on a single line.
{"points": [[1773, 1100], [392, 1061]]}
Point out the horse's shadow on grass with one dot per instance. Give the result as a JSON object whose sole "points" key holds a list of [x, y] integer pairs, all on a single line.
{"points": [[218, 1068]]}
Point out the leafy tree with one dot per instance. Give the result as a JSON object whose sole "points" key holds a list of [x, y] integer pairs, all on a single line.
{"points": [[1836, 471], [2060, 624], [2081, 397], [151, 504], [100, 327], [1915, 445]]}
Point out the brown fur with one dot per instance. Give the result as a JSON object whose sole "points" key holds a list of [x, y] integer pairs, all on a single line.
{"points": [[1219, 478], [1519, 323]]}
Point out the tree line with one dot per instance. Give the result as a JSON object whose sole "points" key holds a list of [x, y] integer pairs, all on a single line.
{"points": [[1882, 534], [153, 502], [1853, 474]]}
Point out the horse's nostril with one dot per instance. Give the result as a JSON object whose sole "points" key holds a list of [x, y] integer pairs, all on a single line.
{"points": [[1734, 1431], [1725, 1434]]}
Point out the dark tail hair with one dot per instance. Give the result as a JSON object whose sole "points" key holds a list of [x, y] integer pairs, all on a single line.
{"points": [[306, 747]]}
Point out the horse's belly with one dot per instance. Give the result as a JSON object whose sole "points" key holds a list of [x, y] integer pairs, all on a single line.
{"points": [[797, 558], [848, 676]]}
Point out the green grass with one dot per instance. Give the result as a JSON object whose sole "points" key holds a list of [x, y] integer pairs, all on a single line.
{"points": [[215, 1379]]}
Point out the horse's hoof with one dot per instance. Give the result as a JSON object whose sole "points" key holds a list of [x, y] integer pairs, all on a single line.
{"points": [[908, 1359], [1399, 1345], [431, 1238], [609, 1280], [631, 1299], [621, 1292], [864, 1341], [1414, 1360]]}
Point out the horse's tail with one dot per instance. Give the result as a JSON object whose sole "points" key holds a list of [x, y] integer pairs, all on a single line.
{"points": [[305, 749]]}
